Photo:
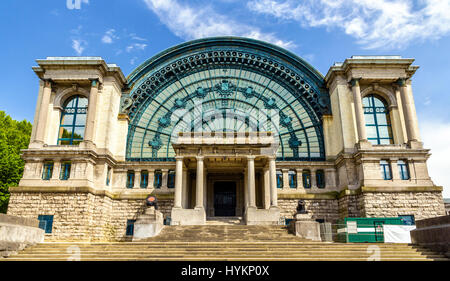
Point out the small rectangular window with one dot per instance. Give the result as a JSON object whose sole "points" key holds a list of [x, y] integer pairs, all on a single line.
{"points": [[47, 171], [408, 219], [171, 179], [320, 176], [306, 175], [64, 174], [130, 227], [158, 179], [279, 179], [403, 169], [130, 179], [108, 176], [386, 173], [292, 179], [46, 223], [144, 179]]}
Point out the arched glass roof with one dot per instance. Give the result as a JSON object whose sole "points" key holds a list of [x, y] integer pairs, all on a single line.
{"points": [[222, 85]]}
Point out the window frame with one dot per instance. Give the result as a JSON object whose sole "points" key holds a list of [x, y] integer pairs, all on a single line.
{"points": [[373, 110], [72, 140], [383, 169], [171, 179], [320, 179], [46, 223], [306, 179], [144, 179], [292, 177], [157, 181], [64, 173], [403, 169], [279, 177], [130, 180], [47, 170]]}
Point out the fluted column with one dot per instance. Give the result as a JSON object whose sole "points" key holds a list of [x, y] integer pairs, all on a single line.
{"points": [[273, 182], [43, 111], [184, 188], [407, 106], [92, 109], [360, 122], [199, 183], [178, 181], [251, 181]]}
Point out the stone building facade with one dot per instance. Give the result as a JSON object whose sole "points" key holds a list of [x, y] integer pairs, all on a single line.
{"points": [[219, 127]]}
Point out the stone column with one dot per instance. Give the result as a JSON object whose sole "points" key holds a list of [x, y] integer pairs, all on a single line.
{"points": [[199, 183], [313, 179], [360, 122], [137, 179], [251, 181], [43, 112], [165, 176], [300, 179], [245, 187], [408, 107], [178, 182], [266, 176], [205, 186], [273, 182], [285, 178], [151, 178], [92, 109], [56, 170], [184, 188]]}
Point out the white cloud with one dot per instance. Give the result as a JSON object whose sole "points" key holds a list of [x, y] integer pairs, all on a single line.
{"points": [[374, 23], [191, 22], [136, 46], [79, 45], [435, 135], [109, 36]]}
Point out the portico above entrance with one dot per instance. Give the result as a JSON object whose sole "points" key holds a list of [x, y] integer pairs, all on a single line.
{"points": [[225, 174]]}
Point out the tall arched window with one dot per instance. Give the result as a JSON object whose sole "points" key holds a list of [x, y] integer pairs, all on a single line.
{"points": [[73, 121], [378, 123]]}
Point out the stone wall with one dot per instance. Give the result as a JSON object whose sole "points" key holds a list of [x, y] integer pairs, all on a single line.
{"points": [[351, 206], [326, 209], [392, 204], [82, 216]]}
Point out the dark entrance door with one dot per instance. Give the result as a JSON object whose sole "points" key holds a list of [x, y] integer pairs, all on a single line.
{"points": [[224, 198]]}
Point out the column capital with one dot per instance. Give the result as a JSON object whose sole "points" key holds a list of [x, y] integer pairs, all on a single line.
{"points": [[401, 82], [47, 83], [355, 82], [179, 158], [94, 82], [199, 158], [251, 157]]}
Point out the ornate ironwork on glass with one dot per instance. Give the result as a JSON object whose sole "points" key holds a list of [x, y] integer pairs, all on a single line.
{"points": [[218, 85]]}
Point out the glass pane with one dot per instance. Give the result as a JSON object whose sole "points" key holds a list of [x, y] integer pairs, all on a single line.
{"points": [[378, 102], [79, 133], [67, 119], [81, 120], [371, 132], [384, 132], [381, 119], [82, 102], [65, 132], [369, 118], [72, 102]]}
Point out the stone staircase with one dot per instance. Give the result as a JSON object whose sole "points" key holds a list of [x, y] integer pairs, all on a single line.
{"points": [[226, 242]]}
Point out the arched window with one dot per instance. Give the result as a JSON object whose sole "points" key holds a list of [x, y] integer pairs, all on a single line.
{"points": [[378, 123], [73, 121]]}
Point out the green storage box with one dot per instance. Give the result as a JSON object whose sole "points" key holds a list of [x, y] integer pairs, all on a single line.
{"points": [[360, 230]]}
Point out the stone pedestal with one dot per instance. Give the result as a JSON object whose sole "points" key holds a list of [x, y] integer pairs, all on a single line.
{"points": [[254, 216], [305, 227], [148, 224], [196, 216]]}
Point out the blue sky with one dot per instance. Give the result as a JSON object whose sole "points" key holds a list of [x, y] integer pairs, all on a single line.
{"points": [[127, 32]]}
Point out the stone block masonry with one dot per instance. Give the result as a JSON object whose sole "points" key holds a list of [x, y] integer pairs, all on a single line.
{"points": [[82, 216]]}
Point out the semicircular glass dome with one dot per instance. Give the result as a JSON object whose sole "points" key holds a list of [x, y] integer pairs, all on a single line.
{"points": [[217, 96]]}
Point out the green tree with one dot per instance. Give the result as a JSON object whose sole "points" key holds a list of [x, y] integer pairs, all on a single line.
{"points": [[14, 136]]}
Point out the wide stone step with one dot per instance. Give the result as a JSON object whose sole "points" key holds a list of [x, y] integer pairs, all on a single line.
{"points": [[206, 258]]}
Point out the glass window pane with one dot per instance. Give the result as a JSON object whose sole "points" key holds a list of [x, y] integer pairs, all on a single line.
{"points": [[81, 120], [67, 119], [369, 118], [79, 133], [371, 132], [82, 102], [381, 119]]}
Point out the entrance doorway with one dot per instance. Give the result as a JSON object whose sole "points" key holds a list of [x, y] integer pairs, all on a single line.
{"points": [[224, 198]]}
